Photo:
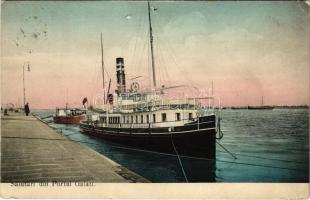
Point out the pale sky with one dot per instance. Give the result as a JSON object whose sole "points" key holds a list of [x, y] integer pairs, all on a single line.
{"points": [[248, 49]]}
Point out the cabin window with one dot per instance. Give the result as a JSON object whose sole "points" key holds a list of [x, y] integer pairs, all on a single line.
{"points": [[163, 117], [177, 116], [154, 118], [190, 116], [127, 120], [124, 119], [147, 119], [131, 119], [136, 119], [141, 118]]}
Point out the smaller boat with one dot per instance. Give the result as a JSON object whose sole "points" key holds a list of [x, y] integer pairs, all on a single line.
{"points": [[69, 116]]}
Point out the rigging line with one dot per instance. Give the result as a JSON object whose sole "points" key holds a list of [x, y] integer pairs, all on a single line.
{"points": [[161, 66], [165, 68], [32, 138], [148, 65], [160, 50], [166, 75], [174, 59], [241, 163], [190, 157], [143, 50], [199, 158], [139, 24], [226, 150], [95, 78], [140, 50], [102, 64], [106, 68], [179, 159], [172, 53], [160, 81], [263, 158], [158, 67], [105, 71], [258, 165], [164, 62], [128, 148]]}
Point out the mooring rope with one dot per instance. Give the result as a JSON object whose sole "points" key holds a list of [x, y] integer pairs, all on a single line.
{"points": [[263, 158], [226, 150], [190, 157], [179, 159]]}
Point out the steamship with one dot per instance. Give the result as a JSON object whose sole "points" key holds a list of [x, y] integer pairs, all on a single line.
{"points": [[144, 120]]}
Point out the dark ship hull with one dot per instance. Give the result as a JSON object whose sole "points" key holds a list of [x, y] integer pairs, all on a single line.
{"points": [[195, 139]]}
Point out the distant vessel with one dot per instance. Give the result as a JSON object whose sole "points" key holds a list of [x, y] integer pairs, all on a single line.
{"points": [[144, 120], [262, 107], [69, 116], [238, 107]]}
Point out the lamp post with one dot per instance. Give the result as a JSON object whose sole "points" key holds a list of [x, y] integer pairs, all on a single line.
{"points": [[24, 89]]}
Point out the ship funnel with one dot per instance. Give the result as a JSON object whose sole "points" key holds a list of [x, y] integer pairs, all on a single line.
{"points": [[120, 75]]}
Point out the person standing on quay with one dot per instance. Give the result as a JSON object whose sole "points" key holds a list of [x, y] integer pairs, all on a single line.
{"points": [[27, 110]]}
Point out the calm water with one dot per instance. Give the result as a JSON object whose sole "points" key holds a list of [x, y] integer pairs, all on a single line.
{"points": [[270, 146]]}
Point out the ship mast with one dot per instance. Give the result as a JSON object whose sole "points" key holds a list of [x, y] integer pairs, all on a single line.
{"points": [[102, 66], [151, 42]]}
